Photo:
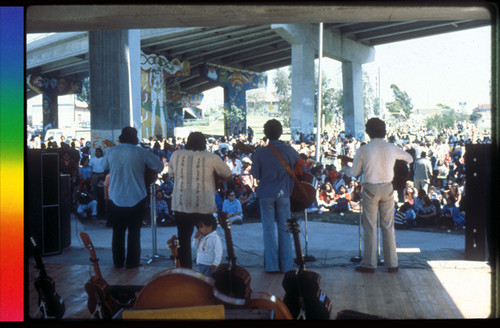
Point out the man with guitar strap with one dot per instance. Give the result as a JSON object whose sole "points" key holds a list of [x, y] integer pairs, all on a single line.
{"points": [[375, 162], [274, 190]]}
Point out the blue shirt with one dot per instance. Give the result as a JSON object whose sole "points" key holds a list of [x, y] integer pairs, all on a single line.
{"points": [[231, 207], [85, 171], [274, 180], [126, 164]]}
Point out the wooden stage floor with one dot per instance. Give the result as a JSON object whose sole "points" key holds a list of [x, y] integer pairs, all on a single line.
{"points": [[451, 291]]}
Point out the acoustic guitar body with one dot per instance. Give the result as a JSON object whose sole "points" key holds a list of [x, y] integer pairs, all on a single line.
{"points": [[54, 303], [178, 287], [317, 304], [232, 280], [265, 301], [303, 295], [99, 292]]}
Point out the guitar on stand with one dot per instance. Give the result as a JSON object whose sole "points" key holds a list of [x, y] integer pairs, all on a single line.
{"points": [[105, 301], [303, 295], [230, 278], [50, 304], [173, 245]]}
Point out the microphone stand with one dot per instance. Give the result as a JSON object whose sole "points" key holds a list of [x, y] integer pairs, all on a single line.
{"points": [[155, 256]]}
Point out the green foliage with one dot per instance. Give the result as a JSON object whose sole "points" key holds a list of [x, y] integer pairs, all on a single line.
{"points": [[402, 102], [234, 115], [85, 94], [283, 84], [445, 120]]}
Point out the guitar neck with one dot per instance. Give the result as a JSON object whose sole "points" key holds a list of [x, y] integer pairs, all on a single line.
{"points": [[93, 258], [298, 247], [224, 222], [38, 259]]}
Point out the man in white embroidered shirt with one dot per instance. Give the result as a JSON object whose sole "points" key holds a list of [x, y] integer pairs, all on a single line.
{"points": [[375, 162]]}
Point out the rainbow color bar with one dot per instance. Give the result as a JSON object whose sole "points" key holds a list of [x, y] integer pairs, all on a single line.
{"points": [[12, 163]]}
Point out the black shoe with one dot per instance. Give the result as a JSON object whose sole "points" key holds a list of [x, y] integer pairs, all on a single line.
{"points": [[364, 269], [118, 266], [132, 266], [393, 270]]}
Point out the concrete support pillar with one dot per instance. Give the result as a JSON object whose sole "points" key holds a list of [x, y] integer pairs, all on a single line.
{"points": [[352, 76], [114, 60], [302, 111]]}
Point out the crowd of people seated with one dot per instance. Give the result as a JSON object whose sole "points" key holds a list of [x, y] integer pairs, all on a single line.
{"points": [[437, 202]]}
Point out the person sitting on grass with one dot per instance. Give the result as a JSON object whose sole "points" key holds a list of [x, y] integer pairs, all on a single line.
{"points": [[404, 217], [426, 212], [451, 217], [342, 199], [232, 207]]}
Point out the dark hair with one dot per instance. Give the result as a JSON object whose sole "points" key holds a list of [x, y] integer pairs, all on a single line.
{"points": [[207, 220], [273, 129], [375, 128], [129, 135], [196, 141]]}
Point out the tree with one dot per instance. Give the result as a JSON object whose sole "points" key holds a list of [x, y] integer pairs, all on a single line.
{"points": [[369, 100], [445, 120], [402, 102], [283, 83], [85, 94]]}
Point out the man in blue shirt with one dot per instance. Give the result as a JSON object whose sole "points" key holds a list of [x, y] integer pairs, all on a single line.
{"points": [[232, 207], [274, 189], [127, 163]]}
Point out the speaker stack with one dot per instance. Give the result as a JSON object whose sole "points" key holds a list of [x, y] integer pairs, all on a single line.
{"points": [[48, 200], [477, 201]]}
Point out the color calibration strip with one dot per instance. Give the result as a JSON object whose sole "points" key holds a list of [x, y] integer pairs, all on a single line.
{"points": [[12, 129]]}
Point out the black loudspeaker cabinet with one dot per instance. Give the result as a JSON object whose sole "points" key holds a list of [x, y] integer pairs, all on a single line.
{"points": [[65, 203], [477, 201], [43, 186]]}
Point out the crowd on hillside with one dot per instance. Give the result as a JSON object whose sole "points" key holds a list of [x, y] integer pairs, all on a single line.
{"points": [[433, 196]]}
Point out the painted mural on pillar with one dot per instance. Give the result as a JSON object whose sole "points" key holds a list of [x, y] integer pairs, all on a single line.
{"points": [[176, 102], [51, 88], [236, 82], [156, 71]]}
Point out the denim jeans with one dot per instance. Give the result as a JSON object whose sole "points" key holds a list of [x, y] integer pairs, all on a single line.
{"points": [[205, 269], [274, 215], [83, 208]]}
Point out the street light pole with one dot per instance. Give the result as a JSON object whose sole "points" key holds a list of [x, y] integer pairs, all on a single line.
{"points": [[318, 115]]}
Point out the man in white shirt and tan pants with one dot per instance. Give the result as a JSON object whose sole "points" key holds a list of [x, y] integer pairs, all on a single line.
{"points": [[375, 162]]}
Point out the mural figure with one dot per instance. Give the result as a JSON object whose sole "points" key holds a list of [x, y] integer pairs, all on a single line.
{"points": [[156, 113], [157, 83]]}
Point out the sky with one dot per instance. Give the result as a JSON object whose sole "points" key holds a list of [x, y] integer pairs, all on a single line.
{"points": [[446, 69]]}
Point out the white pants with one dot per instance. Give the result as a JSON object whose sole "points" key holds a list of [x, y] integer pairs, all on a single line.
{"points": [[378, 201]]}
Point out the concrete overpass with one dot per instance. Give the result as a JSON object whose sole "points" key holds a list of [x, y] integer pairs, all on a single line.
{"points": [[243, 37]]}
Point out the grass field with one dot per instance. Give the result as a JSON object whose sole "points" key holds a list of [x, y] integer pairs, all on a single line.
{"points": [[256, 122]]}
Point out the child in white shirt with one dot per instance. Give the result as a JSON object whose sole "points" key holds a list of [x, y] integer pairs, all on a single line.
{"points": [[208, 245]]}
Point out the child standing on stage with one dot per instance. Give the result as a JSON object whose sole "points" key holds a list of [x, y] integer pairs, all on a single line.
{"points": [[208, 246]]}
